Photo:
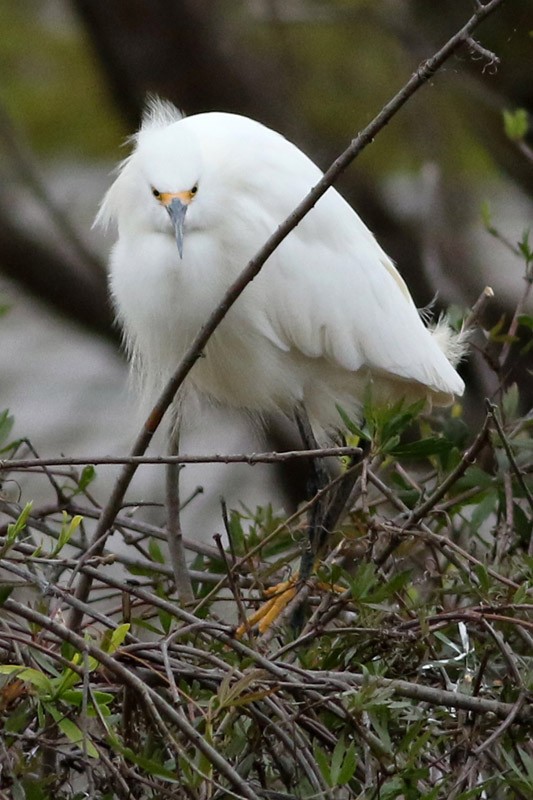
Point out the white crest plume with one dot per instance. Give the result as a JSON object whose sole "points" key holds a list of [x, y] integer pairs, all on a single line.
{"points": [[159, 113]]}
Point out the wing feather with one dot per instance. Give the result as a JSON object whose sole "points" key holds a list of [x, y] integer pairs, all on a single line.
{"points": [[342, 299]]}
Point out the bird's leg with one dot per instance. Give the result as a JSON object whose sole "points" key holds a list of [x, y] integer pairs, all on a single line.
{"points": [[343, 491], [175, 539], [318, 479], [281, 595], [323, 518]]}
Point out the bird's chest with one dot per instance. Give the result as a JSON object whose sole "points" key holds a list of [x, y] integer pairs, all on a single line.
{"points": [[163, 301]]}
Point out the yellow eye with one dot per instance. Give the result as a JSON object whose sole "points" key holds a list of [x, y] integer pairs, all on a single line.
{"points": [[156, 193]]}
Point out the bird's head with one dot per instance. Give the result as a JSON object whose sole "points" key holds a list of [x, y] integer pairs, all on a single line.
{"points": [[159, 184], [169, 164], [213, 172]]}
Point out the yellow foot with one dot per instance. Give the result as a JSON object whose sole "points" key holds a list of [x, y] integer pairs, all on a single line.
{"points": [[280, 596]]}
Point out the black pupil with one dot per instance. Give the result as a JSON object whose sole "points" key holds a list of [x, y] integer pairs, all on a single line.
{"points": [[155, 193]]}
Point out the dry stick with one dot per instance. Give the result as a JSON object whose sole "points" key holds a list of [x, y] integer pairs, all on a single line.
{"points": [[424, 72], [506, 652], [175, 538], [231, 580], [285, 525], [474, 317], [493, 414], [447, 546], [513, 327], [517, 707], [326, 681], [232, 458], [282, 672], [153, 700], [420, 511]]}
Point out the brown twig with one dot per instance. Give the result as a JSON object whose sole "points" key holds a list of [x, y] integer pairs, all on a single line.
{"points": [[154, 702], [493, 414], [11, 464], [176, 547]]}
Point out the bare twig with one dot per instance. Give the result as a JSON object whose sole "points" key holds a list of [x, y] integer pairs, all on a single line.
{"points": [[493, 414], [150, 697], [12, 464], [175, 538], [482, 52]]}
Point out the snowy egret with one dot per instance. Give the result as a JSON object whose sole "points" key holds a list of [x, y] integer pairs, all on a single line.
{"points": [[328, 318]]}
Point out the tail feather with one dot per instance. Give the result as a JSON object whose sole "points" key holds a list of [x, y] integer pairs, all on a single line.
{"points": [[453, 344]]}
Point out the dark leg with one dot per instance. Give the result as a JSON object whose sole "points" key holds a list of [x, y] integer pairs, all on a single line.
{"points": [[325, 513], [319, 478]]}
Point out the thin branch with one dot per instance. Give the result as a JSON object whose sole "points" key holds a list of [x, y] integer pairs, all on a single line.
{"points": [[232, 458], [493, 414], [474, 317], [507, 722], [152, 699], [328, 681], [176, 546], [469, 456], [475, 47]]}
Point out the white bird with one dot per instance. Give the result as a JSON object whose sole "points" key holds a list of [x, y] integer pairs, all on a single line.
{"points": [[327, 318]]}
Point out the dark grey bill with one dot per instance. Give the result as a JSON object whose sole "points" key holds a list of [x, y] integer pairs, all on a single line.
{"points": [[176, 211]]}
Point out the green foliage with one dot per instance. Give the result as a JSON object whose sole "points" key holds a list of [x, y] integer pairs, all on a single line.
{"points": [[438, 600], [516, 123]]}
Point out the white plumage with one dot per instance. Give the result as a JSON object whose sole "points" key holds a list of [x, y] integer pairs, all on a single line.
{"points": [[327, 316]]}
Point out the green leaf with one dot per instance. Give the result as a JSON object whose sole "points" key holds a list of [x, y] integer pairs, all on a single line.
{"points": [[28, 675], [14, 529], [486, 217], [117, 637], [347, 769], [484, 509], [342, 763], [483, 577], [322, 760], [68, 528], [5, 591], [526, 320], [165, 619], [6, 425], [87, 476], [350, 425], [396, 419], [475, 477], [150, 766], [75, 735], [521, 594], [515, 124], [525, 248], [64, 682], [510, 402], [389, 588], [156, 554], [74, 697], [431, 446]]}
